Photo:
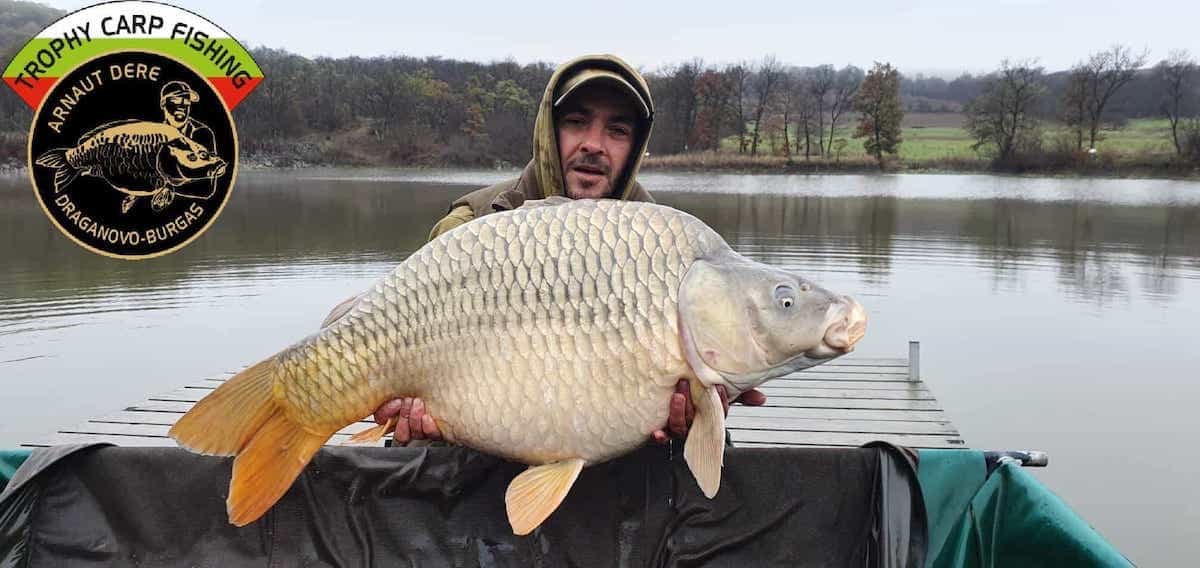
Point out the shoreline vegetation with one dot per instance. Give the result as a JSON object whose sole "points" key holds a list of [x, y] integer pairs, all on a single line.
{"points": [[709, 162], [1114, 114]]}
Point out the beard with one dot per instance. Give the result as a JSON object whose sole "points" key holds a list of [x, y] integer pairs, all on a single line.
{"points": [[594, 182]]}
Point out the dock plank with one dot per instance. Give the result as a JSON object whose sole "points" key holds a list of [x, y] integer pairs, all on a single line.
{"points": [[847, 402], [787, 438], [890, 415]]}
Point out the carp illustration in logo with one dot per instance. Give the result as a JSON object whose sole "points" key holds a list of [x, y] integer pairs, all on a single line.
{"points": [[138, 158]]}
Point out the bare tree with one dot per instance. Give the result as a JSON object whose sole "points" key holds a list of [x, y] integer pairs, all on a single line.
{"points": [[713, 92], [1001, 115], [675, 92], [806, 109], [820, 83], [1100, 77], [766, 82], [1075, 105], [791, 91], [845, 86], [1178, 76], [738, 78]]}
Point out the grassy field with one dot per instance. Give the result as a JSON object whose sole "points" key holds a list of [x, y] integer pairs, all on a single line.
{"points": [[934, 137]]}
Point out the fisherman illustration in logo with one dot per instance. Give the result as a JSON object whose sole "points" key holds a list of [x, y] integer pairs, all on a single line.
{"points": [[176, 100], [141, 158]]}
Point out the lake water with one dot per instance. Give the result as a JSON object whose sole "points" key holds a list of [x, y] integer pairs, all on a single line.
{"points": [[1054, 314]]}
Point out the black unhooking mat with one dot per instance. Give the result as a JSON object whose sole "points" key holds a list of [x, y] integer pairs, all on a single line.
{"points": [[444, 506]]}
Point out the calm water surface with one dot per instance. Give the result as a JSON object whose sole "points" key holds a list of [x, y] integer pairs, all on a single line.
{"points": [[1054, 314]]}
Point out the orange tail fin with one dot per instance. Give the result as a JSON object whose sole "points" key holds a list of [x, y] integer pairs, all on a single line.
{"points": [[242, 418]]}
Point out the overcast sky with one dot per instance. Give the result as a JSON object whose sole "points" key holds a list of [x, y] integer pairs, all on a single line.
{"points": [[942, 37]]}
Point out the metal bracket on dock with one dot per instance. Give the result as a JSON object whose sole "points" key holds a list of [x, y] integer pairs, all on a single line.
{"points": [[1027, 458]]}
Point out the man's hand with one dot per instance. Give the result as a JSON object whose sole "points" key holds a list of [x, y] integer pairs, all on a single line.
{"points": [[413, 422], [680, 418]]}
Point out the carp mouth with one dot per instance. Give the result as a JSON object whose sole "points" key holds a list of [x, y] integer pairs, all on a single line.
{"points": [[845, 324]]}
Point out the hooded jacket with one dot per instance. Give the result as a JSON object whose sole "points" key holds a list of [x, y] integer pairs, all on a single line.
{"points": [[542, 177]]}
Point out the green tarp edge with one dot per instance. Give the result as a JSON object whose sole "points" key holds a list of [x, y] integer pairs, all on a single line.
{"points": [[10, 460], [1006, 519]]}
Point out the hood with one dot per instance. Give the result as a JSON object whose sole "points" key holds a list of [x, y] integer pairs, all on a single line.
{"points": [[547, 170]]}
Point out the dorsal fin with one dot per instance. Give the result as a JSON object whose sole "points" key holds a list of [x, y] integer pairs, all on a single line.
{"points": [[97, 129], [549, 201]]}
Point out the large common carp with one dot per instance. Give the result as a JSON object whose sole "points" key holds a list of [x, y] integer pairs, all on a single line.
{"points": [[137, 158], [551, 335]]}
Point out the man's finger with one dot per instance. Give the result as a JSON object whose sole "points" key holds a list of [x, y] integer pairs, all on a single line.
{"points": [[414, 420], [388, 410], [429, 428], [677, 419], [660, 437], [403, 435], [752, 397]]}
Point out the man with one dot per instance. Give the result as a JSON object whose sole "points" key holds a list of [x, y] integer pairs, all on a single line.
{"points": [[589, 138], [175, 99]]}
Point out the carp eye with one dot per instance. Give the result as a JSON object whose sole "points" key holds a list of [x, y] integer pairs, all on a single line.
{"points": [[785, 296]]}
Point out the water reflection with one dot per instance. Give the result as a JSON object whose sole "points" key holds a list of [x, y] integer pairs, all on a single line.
{"points": [[278, 227], [992, 273]]}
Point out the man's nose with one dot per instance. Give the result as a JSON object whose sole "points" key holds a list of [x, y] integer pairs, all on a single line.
{"points": [[593, 139]]}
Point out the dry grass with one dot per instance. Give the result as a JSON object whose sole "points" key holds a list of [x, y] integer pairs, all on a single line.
{"points": [[732, 162]]}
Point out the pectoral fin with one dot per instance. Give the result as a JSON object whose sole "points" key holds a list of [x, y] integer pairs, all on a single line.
{"points": [[340, 310], [704, 449], [537, 492]]}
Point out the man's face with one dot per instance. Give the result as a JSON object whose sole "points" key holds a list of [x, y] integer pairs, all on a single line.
{"points": [[176, 108], [595, 128]]}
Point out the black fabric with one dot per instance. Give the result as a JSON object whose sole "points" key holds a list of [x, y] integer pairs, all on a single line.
{"points": [[444, 506]]}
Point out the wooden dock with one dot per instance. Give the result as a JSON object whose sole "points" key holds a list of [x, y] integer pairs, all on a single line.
{"points": [[848, 402]]}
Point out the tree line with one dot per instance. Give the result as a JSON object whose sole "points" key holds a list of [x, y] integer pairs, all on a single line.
{"points": [[1007, 117], [408, 110]]}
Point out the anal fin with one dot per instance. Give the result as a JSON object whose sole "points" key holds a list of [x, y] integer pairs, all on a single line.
{"points": [[373, 434], [704, 449], [265, 469], [537, 492]]}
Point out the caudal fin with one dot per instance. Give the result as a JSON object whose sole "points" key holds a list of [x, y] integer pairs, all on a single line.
{"points": [[56, 159], [241, 417]]}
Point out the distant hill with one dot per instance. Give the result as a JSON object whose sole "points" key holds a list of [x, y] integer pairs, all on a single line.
{"points": [[19, 21]]}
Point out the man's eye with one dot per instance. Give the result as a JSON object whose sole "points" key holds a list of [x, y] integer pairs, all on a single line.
{"points": [[621, 131]]}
